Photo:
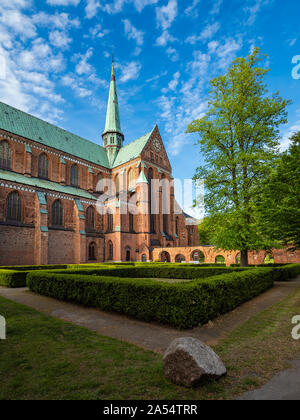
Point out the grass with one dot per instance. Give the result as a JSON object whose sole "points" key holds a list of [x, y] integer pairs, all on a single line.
{"points": [[45, 358]]}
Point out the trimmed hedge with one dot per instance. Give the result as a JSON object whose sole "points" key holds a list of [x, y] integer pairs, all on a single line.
{"points": [[286, 272], [182, 305], [11, 278], [34, 267], [165, 272]]}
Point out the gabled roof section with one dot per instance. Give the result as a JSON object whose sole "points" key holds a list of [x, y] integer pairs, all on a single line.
{"points": [[132, 150], [32, 128]]}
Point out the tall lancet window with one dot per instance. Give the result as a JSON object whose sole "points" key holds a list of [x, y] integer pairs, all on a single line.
{"points": [[151, 216]]}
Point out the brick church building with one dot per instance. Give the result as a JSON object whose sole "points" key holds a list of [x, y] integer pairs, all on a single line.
{"points": [[51, 181]]}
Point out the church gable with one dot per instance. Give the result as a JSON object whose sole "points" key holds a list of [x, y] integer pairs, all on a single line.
{"points": [[154, 151]]}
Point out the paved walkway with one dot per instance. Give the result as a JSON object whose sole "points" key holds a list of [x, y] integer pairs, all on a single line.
{"points": [[149, 336], [285, 386]]}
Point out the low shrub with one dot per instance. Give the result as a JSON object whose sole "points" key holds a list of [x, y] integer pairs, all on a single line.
{"points": [[33, 267], [156, 271], [286, 272], [11, 278], [182, 305]]}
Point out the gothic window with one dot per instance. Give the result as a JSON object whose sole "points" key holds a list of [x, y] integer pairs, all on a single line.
{"points": [[57, 213], [90, 219], [14, 207], [131, 222], [43, 166], [110, 251], [74, 176], [117, 184], [165, 223], [92, 251], [151, 216], [131, 179], [5, 155], [177, 226], [110, 221]]}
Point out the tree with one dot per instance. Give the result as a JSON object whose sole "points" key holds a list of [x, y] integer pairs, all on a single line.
{"points": [[239, 139], [205, 231], [278, 203]]}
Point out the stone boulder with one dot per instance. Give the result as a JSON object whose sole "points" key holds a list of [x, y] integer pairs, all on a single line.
{"points": [[189, 362]]}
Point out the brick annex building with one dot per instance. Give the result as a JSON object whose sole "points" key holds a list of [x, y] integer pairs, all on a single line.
{"points": [[48, 193]]}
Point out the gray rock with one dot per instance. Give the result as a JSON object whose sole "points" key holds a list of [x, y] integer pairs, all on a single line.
{"points": [[189, 362]]}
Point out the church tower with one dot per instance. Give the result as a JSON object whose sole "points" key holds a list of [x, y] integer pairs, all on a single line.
{"points": [[112, 137]]}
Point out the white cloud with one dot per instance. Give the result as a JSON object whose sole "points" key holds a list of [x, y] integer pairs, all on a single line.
{"points": [[255, 9], [133, 33], [59, 39], [98, 32], [216, 7], [129, 71], [116, 6], [92, 8], [163, 40], [58, 20], [292, 42], [76, 85], [83, 67], [172, 54], [40, 57], [207, 33], [63, 2], [285, 142], [191, 9], [174, 82], [19, 23], [165, 15]]}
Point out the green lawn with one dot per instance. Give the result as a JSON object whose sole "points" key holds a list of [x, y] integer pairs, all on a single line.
{"points": [[45, 358]]}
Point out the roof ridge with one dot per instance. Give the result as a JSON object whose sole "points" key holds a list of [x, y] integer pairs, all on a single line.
{"points": [[46, 122]]}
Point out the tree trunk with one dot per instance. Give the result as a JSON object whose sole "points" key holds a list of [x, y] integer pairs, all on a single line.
{"points": [[244, 258]]}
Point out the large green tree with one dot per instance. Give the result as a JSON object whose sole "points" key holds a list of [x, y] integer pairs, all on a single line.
{"points": [[238, 140], [278, 203]]}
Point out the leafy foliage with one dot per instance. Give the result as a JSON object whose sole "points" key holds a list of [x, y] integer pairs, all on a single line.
{"points": [[238, 138], [278, 203]]}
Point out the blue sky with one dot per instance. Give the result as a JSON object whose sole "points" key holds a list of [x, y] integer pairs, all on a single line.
{"points": [[55, 61]]}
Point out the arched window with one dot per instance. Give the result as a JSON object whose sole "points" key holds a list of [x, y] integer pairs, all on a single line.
{"points": [[90, 219], [128, 254], [110, 221], [99, 183], [117, 184], [131, 222], [92, 251], [179, 258], [177, 226], [131, 180], [198, 255], [5, 155], [57, 213], [43, 166], [110, 251], [74, 178], [14, 207], [151, 216], [269, 259]]}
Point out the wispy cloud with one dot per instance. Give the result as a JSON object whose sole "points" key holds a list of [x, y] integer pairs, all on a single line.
{"points": [[129, 71], [133, 33], [207, 33]]}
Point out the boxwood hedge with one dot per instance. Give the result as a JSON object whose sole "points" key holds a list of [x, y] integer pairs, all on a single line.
{"points": [[12, 278], [182, 305]]}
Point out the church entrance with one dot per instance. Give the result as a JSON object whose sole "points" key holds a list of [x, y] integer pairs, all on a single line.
{"points": [[128, 255]]}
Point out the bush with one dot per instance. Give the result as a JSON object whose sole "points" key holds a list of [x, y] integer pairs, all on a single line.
{"points": [[33, 267], [155, 271], [182, 305], [11, 278], [286, 273]]}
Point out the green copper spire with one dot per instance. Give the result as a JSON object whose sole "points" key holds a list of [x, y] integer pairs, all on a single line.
{"points": [[112, 136], [112, 115]]}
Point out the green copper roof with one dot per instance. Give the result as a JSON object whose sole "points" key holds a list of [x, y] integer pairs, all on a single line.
{"points": [[112, 115], [25, 125], [132, 150], [47, 185]]}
